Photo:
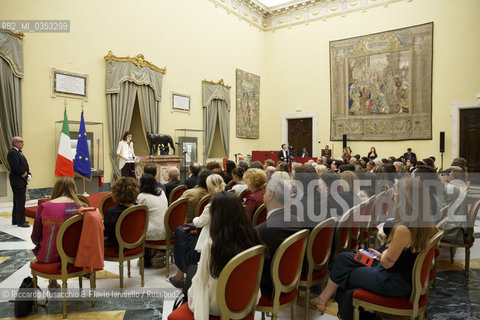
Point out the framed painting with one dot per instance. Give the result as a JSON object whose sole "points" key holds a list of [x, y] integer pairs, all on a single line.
{"points": [[180, 102], [381, 85], [248, 105], [68, 84]]}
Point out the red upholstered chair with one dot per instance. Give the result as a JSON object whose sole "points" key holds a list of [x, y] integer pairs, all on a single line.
{"points": [[286, 268], [468, 239], [130, 231], [175, 217], [260, 215], [106, 203], [346, 236], [176, 193], [413, 306], [202, 204], [237, 287], [439, 225], [244, 194], [231, 184], [68, 238], [318, 254], [366, 230]]}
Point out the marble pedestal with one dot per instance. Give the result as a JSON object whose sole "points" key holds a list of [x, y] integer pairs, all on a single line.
{"points": [[161, 162]]}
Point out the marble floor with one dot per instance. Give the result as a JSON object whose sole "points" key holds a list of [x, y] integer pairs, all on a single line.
{"points": [[453, 298]]}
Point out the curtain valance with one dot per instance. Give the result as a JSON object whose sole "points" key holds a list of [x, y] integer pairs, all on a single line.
{"points": [[136, 70], [211, 90], [11, 50]]}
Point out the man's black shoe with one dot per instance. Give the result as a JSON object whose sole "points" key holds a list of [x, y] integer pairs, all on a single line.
{"points": [[177, 283], [25, 225]]}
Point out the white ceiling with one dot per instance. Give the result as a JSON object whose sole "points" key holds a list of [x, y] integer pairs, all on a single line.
{"points": [[275, 3]]}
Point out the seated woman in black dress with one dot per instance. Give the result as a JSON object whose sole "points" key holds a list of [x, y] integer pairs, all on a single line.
{"points": [[125, 192], [391, 274]]}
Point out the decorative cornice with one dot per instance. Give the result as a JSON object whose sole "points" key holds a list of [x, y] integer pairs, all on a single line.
{"points": [[295, 12], [138, 60], [18, 35], [217, 83]]}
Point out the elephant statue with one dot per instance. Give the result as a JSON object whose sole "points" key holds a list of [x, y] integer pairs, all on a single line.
{"points": [[156, 141]]}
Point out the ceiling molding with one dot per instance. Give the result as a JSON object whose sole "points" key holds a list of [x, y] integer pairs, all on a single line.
{"points": [[295, 12]]}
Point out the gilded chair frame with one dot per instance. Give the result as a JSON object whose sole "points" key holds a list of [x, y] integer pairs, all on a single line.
{"points": [[169, 234], [122, 244], [472, 216], [84, 199], [278, 287], [200, 204], [174, 191], [102, 202], [418, 289], [225, 312], [242, 194], [64, 275], [343, 228], [257, 213], [312, 266]]}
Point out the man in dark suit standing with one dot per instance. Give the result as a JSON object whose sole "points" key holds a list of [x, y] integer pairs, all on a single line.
{"points": [[19, 177], [280, 224], [283, 154]]}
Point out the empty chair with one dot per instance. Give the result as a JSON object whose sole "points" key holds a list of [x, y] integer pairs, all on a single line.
{"points": [[176, 193]]}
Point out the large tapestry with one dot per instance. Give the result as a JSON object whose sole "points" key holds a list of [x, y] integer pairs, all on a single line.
{"points": [[248, 104], [381, 85]]}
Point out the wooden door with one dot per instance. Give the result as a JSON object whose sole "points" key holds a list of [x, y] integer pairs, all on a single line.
{"points": [[470, 138], [300, 135]]}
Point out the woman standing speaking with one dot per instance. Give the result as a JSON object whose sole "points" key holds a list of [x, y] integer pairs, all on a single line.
{"points": [[126, 161]]}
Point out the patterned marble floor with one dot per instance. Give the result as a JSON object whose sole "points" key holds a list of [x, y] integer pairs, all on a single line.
{"points": [[453, 298]]}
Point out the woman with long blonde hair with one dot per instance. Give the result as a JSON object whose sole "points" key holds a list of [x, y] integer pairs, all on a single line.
{"points": [[390, 274]]}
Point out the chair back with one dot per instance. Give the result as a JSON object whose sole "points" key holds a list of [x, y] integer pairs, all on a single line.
{"points": [[239, 282], [131, 227], [287, 264], [68, 238], [472, 216], [84, 199], [175, 217], [260, 215], [106, 203], [244, 194], [201, 205], [231, 184], [320, 245], [421, 271], [343, 233], [176, 193]]}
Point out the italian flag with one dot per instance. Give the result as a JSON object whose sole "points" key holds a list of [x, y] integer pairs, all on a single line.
{"points": [[64, 166]]}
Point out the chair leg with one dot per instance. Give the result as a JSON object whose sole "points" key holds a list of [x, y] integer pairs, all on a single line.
{"points": [[92, 288], [294, 310], [167, 263], [128, 268], [80, 283], [263, 315], [142, 281], [356, 314], [421, 316], [452, 254], [35, 305], [64, 300], [121, 274], [307, 302], [467, 262]]}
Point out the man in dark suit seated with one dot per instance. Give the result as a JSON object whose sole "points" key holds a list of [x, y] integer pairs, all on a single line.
{"points": [[173, 182], [194, 170], [283, 154], [280, 224], [305, 153], [409, 154], [19, 177]]}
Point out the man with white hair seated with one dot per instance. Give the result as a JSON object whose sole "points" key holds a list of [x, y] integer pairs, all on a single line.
{"points": [[173, 182], [270, 170], [281, 223]]}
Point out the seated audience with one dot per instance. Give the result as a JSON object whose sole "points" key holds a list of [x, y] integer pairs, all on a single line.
{"points": [[255, 180], [125, 192], [194, 195], [268, 163], [212, 165], [282, 175], [229, 166], [243, 164], [237, 175], [50, 216], [152, 169], [193, 170], [321, 169], [256, 165], [275, 229], [390, 274], [270, 170], [283, 166], [231, 232], [411, 163], [173, 182], [334, 166]]}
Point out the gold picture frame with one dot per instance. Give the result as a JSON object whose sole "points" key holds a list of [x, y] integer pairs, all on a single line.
{"points": [[68, 84]]}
